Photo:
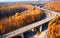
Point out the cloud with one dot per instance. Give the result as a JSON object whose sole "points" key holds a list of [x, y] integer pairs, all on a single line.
{"points": [[21, 0], [44, 0], [15, 0]]}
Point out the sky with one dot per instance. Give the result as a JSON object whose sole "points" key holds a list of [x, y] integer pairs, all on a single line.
{"points": [[20, 0]]}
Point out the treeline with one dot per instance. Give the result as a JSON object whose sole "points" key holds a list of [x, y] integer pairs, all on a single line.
{"points": [[10, 12], [19, 19], [55, 6], [10, 9]]}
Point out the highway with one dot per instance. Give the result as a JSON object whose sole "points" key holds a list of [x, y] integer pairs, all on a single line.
{"points": [[33, 25], [42, 35]]}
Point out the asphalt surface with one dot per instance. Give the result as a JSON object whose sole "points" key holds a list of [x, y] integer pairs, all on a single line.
{"points": [[30, 33]]}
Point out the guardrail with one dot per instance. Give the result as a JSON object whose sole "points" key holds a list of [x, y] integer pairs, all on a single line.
{"points": [[33, 25]]}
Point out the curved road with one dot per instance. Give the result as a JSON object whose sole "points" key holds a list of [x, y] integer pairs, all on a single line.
{"points": [[23, 29]]}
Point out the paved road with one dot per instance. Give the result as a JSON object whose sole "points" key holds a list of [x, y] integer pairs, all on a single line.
{"points": [[28, 27]]}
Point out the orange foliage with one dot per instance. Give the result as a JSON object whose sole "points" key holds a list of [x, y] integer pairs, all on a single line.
{"points": [[20, 19], [53, 6], [54, 28], [7, 10]]}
